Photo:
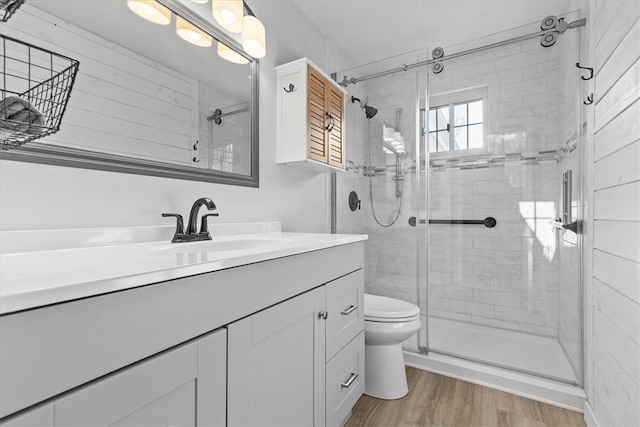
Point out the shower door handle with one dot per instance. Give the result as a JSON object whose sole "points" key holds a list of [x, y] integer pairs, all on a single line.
{"points": [[575, 226]]}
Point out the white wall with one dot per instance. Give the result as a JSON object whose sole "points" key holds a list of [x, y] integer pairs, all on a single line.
{"points": [[34, 196], [613, 282]]}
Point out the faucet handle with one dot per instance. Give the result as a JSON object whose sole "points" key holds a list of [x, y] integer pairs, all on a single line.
{"points": [[179, 225], [204, 228]]}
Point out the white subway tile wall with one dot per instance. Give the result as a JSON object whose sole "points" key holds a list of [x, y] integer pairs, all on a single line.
{"points": [[510, 276]]}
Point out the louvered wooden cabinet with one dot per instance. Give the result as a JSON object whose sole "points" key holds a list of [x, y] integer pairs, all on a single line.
{"points": [[310, 118]]}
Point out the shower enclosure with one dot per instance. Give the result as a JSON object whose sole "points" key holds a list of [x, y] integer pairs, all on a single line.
{"points": [[468, 181]]}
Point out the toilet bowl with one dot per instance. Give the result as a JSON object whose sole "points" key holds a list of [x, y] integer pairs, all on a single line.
{"points": [[387, 322]]}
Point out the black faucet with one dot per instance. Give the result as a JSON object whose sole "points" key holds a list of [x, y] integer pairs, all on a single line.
{"points": [[192, 234], [192, 227]]}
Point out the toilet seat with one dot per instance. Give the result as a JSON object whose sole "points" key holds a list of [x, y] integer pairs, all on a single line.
{"points": [[382, 309]]}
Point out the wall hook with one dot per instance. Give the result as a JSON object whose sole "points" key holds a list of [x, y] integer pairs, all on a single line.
{"points": [[195, 146], [585, 68], [590, 99], [195, 160], [291, 88]]}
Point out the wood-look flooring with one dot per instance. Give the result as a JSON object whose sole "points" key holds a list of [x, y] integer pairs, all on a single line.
{"points": [[437, 400]]}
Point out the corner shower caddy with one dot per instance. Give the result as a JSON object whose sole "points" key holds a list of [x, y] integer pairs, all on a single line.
{"points": [[43, 79]]}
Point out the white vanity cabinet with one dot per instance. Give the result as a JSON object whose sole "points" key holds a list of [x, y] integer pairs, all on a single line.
{"points": [[41, 416], [240, 346], [185, 386], [345, 375], [276, 365], [300, 362]]}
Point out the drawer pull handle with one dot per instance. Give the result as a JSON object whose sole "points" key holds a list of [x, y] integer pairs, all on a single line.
{"points": [[350, 381], [349, 310]]}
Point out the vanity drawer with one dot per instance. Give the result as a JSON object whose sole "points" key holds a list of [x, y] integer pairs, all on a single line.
{"points": [[345, 378], [345, 308]]}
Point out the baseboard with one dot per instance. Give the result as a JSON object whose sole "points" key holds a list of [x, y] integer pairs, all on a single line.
{"points": [[546, 391], [589, 416]]}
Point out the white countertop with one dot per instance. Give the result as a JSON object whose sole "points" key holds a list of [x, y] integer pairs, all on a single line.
{"points": [[39, 268]]}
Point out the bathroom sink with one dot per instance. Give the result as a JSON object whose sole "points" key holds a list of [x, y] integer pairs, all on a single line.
{"points": [[221, 245], [43, 267]]}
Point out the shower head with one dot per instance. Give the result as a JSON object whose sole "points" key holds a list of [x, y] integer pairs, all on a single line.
{"points": [[369, 111]]}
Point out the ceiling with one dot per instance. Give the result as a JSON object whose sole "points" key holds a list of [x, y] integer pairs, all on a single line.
{"points": [[370, 30]]}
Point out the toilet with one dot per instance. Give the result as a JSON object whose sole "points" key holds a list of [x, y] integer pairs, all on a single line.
{"points": [[387, 322]]}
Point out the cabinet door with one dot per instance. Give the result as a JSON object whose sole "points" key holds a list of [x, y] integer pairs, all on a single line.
{"points": [[38, 417], [173, 409], [317, 147], [276, 365], [122, 394], [159, 391], [212, 379], [334, 106]]}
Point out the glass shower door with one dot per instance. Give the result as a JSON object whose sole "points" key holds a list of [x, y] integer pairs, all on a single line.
{"points": [[502, 274]]}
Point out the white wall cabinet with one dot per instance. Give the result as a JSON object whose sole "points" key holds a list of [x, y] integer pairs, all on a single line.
{"points": [[310, 127]]}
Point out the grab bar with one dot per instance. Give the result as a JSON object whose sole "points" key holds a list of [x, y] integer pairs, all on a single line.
{"points": [[488, 222]]}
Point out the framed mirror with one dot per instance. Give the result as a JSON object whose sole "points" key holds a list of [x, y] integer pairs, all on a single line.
{"points": [[147, 99]]}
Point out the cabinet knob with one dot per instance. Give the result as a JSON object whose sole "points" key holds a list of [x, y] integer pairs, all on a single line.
{"points": [[323, 315]]}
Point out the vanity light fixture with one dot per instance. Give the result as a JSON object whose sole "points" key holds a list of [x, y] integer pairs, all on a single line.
{"points": [[225, 52], [253, 36], [150, 10], [194, 35], [229, 14]]}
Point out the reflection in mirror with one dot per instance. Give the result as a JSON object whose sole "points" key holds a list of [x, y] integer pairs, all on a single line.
{"points": [[148, 98]]}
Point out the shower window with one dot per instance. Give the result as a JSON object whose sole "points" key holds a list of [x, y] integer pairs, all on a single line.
{"points": [[456, 122]]}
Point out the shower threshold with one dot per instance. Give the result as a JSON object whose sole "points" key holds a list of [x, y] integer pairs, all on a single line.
{"points": [[527, 353], [511, 361]]}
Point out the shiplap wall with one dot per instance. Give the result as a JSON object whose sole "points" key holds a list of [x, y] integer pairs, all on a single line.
{"points": [[122, 103], [614, 356]]}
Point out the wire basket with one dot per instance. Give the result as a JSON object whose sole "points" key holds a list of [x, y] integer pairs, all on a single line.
{"points": [[8, 7], [35, 85]]}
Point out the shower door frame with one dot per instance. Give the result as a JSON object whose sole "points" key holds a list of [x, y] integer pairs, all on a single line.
{"points": [[422, 133], [424, 288]]}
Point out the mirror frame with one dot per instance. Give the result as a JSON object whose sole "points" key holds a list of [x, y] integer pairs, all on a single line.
{"points": [[35, 152]]}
